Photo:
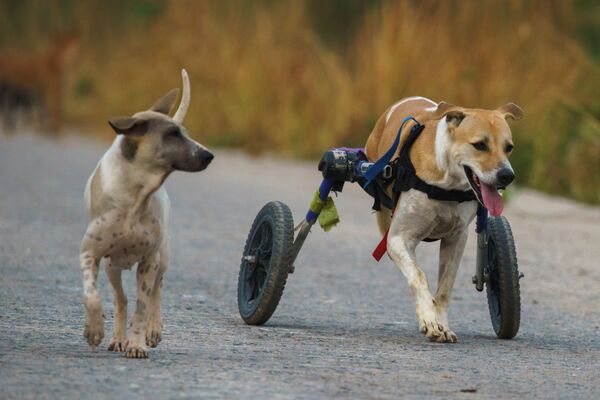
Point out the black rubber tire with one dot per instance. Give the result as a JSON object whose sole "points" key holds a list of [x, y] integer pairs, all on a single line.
{"points": [[260, 287], [502, 283]]}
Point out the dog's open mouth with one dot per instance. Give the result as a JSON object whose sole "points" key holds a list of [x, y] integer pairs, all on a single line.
{"points": [[487, 195]]}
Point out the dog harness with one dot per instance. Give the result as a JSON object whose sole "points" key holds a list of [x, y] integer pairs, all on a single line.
{"points": [[404, 177], [340, 165]]}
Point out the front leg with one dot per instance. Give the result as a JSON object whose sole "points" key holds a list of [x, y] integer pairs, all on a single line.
{"points": [[155, 325], [119, 339], [451, 251], [402, 251], [146, 278], [94, 318]]}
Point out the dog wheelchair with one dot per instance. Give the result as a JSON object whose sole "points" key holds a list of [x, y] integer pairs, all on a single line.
{"points": [[272, 246]]}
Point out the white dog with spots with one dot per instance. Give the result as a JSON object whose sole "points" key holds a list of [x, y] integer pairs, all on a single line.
{"points": [[129, 215]]}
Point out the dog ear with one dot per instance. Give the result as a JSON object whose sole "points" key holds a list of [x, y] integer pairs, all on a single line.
{"points": [[165, 103], [128, 125], [453, 114], [511, 110]]}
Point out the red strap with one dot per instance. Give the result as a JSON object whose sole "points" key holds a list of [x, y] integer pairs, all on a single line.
{"points": [[381, 248]]}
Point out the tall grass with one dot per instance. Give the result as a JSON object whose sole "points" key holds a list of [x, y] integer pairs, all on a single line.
{"points": [[266, 76]]}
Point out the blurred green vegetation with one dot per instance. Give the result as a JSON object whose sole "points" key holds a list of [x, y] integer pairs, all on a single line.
{"points": [[298, 77]]}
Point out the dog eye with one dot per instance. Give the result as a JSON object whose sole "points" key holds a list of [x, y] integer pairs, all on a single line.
{"points": [[174, 133], [481, 146], [509, 148]]}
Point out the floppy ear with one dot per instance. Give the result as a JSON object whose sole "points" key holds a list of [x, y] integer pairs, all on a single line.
{"points": [[511, 110], [128, 125], [454, 114], [164, 104]]}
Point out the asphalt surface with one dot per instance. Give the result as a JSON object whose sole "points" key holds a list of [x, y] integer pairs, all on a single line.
{"points": [[345, 327]]}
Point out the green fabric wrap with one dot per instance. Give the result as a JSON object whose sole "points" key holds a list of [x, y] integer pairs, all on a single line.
{"points": [[328, 215]]}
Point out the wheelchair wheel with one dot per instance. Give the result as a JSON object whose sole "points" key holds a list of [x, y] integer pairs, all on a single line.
{"points": [[502, 279], [265, 263]]}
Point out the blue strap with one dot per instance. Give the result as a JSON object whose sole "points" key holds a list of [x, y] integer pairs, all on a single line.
{"points": [[482, 217], [380, 164]]}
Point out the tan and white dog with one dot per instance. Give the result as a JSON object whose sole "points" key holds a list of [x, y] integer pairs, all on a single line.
{"points": [[129, 217], [462, 149]]}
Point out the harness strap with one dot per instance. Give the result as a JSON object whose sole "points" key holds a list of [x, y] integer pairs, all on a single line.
{"points": [[385, 159], [406, 175], [381, 248], [406, 178]]}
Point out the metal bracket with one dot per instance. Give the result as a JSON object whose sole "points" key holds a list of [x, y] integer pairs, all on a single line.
{"points": [[479, 277], [387, 171]]}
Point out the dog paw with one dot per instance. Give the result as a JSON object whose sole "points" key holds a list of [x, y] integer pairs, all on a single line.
{"points": [[436, 332], [447, 336], [432, 329], [153, 338], [93, 333], [136, 352], [119, 345], [154, 331]]}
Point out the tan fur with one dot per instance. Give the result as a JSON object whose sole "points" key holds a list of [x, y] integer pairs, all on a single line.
{"points": [[41, 74], [439, 156]]}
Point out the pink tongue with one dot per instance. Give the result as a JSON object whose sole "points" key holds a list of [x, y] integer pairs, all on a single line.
{"points": [[492, 200]]}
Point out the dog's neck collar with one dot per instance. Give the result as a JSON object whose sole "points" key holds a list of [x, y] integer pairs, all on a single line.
{"points": [[406, 174]]}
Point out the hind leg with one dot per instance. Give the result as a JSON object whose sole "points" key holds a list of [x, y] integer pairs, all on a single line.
{"points": [[119, 339], [155, 325]]}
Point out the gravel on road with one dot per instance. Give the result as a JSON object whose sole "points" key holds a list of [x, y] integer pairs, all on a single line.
{"points": [[345, 327]]}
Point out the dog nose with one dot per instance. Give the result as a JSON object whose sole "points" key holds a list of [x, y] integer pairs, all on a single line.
{"points": [[206, 156], [505, 176]]}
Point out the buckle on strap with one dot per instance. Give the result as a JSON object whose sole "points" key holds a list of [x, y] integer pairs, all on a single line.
{"points": [[380, 164], [387, 172]]}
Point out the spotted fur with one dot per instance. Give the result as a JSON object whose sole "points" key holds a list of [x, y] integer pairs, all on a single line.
{"points": [[129, 216]]}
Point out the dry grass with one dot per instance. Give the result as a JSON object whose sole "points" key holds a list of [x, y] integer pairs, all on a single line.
{"points": [[263, 79]]}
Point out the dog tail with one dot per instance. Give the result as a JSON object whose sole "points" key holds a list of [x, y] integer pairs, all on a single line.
{"points": [[185, 99]]}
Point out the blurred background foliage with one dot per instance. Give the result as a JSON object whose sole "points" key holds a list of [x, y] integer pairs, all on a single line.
{"points": [[298, 77]]}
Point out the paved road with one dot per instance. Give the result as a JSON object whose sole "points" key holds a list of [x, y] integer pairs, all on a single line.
{"points": [[345, 326]]}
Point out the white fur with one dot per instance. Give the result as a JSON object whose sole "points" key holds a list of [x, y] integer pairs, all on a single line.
{"points": [[454, 176], [442, 144], [128, 209], [490, 177], [395, 106], [415, 219]]}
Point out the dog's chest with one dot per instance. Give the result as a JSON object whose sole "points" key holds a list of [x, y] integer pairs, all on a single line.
{"points": [[128, 242], [449, 224], [433, 219]]}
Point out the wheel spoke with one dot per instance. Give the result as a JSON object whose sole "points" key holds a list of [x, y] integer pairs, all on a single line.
{"points": [[255, 290], [262, 266], [265, 236]]}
